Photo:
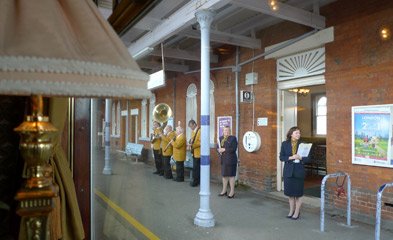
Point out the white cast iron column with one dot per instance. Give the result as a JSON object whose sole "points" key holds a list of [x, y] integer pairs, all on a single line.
{"points": [[205, 217], [107, 168]]}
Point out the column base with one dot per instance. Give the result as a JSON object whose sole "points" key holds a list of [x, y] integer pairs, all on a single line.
{"points": [[107, 171], [204, 219]]}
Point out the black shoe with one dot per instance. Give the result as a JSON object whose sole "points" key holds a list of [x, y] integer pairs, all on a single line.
{"points": [[161, 174], [233, 196], [290, 216], [156, 172], [170, 177], [194, 184], [296, 218], [222, 194]]}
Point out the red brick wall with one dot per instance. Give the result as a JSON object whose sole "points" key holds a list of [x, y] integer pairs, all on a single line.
{"points": [[359, 71]]}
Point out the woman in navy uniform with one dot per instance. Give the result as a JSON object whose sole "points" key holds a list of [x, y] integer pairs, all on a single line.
{"points": [[227, 150], [294, 172]]}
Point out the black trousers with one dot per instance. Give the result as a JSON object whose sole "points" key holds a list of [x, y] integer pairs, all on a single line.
{"points": [[180, 170], [196, 170], [167, 166], [158, 160]]}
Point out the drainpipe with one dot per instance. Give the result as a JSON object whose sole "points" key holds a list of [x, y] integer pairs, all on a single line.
{"points": [[237, 72]]}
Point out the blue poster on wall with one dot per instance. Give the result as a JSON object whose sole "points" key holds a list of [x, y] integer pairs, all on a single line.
{"points": [[223, 121], [371, 135]]}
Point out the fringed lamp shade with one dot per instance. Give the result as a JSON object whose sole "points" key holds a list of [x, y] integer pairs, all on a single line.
{"points": [[64, 48]]}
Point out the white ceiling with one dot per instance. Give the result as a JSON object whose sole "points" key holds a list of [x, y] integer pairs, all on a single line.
{"points": [[172, 24]]}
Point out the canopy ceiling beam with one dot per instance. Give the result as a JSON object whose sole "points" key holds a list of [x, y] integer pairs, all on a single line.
{"points": [[179, 20], [227, 38], [182, 54], [285, 11], [155, 66]]}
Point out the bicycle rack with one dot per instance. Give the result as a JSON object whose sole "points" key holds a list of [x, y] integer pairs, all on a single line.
{"points": [[378, 210], [322, 217]]}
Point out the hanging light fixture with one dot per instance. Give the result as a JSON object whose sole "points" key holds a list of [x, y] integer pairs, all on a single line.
{"points": [[300, 91], [273, 5], [385, 33]]}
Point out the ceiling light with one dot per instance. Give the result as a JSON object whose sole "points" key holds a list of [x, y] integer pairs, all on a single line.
{"points": [[385, 33], [300, 91]]}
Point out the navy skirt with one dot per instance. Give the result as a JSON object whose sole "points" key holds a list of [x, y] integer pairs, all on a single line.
{"points": [[293, 187], [228, 170]]}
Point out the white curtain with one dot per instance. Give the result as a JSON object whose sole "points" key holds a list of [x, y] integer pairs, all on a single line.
{"points": [[151, 107], [118, 118], [143, 118], [212, 113], [191, 108]]}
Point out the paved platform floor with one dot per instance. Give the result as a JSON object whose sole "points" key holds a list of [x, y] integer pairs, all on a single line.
{"points": [[133, 203]]}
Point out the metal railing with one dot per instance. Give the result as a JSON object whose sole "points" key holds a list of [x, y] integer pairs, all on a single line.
{"points": [[378, 210], [322, 216]]}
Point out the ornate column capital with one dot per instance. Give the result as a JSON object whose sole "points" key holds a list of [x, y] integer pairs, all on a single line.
{"points": [[205, 18]]}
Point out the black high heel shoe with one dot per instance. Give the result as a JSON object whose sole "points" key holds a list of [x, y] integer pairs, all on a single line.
{"points": [[231, 196], [295, 218], [222, 194], [289, 216]]}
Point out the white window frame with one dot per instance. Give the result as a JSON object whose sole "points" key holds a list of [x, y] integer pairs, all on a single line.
{"points": [[316, 99], [191, 107]]}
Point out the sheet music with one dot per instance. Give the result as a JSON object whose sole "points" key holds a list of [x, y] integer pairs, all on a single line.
{"points": [[304, 149]]}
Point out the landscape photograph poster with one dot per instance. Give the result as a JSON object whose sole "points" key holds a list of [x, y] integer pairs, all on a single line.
{"points": [[372, 135]]}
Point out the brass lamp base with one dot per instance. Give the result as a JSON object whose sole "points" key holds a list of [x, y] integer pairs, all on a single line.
{"points": [[36, 197]]}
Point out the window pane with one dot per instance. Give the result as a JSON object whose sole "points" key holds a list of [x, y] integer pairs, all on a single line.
{"points": [[322, 101], [321, 125], [321, 111]]}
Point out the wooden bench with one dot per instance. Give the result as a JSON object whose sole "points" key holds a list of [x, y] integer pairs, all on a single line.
{"points": [[132, 150]]}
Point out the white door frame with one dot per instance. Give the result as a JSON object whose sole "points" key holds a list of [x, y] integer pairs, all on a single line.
{"points": [[281, 86]]}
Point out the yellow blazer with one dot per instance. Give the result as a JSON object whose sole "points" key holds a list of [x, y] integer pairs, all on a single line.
{"points": [[179, 148], [165, 139], [157, 141], [197, 143]]}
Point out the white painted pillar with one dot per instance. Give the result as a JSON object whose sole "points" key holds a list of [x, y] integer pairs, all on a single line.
{"points": [[108, 166], [127, 137], [205, 217]]}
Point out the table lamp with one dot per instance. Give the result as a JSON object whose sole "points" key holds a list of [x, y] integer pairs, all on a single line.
{"points": [[57, 48]]}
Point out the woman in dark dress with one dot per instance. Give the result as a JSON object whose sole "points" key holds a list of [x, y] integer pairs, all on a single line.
{"points": [[294, 172], [227, 150]]}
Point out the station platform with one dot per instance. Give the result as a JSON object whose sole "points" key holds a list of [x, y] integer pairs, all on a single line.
{"points": [[133, 203]]}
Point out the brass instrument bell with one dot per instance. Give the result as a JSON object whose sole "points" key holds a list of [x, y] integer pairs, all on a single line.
{"points": [[162, 112]]}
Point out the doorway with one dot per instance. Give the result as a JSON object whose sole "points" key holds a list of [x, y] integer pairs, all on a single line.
{"points": [[304, 106]]}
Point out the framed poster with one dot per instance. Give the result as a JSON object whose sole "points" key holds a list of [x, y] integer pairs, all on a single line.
{"points": [[223, 121], [372, 135]]}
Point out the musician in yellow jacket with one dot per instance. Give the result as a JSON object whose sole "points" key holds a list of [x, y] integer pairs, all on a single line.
{"points": [[194, 145], [179, 153], [156, 142], [167, 150]]}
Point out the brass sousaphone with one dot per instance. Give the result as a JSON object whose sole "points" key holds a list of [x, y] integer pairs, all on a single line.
{"points": [[161, 113]]}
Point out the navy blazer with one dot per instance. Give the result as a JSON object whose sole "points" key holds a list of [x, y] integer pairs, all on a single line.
{"points": [[230, 145], [292, 169]]}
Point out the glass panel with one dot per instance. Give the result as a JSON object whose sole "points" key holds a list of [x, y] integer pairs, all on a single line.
{"points": [[321, 125], [321, 110]]}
